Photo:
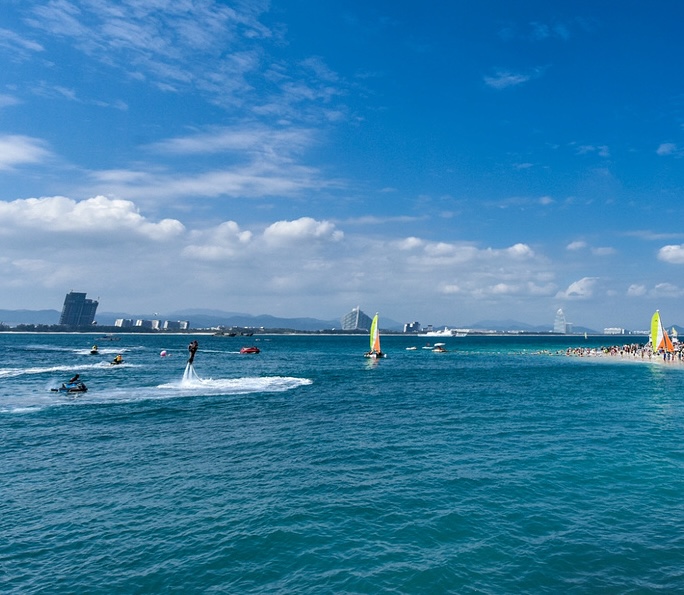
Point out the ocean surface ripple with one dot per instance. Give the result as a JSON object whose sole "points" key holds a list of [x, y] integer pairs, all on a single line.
{"points": [[500, 466]]}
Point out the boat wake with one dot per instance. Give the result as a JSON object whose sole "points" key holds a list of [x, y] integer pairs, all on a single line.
{"points": [[100, 351], [191, 385], [13, 372]]}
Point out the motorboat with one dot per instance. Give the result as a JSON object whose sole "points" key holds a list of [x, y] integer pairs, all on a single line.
{"points": [[251, 349], [446, 332]]}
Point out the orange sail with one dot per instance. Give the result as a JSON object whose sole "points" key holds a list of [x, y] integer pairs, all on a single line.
{"points": [[659, 337], [375, 335]]}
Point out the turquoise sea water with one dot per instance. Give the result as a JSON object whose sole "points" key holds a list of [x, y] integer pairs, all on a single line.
{"points": [[497, 467]]}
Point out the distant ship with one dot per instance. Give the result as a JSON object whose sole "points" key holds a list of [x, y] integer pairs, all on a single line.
{"points": [[447, 332]]}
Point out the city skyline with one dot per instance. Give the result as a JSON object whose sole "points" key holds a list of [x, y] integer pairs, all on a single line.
{"points": [[441, 163], [356, 319]]}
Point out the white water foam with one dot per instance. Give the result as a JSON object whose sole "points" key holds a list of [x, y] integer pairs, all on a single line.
{"points": [[100, 351], [190, 377], [191, 383], [172, 390], [13, 372]]}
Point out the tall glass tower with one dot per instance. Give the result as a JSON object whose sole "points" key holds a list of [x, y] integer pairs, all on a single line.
{"points": [[560, 325], [77, 310], [356, 320]]}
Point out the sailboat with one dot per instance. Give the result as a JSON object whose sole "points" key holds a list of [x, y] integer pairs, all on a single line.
{"points": [[375, 351], [659, 339]]}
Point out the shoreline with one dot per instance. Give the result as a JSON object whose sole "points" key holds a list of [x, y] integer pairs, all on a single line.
{"points": [[634, 352]]}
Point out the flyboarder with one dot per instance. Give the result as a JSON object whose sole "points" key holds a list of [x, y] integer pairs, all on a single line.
{"points": [[192, 348]]}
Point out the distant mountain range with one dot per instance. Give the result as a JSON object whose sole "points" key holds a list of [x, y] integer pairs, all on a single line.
{"points": [[14, 317], [212, 318], [205, 318], [197, 318]]}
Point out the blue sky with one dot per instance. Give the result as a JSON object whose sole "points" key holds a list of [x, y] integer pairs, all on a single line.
{"points": [[440, 162]]}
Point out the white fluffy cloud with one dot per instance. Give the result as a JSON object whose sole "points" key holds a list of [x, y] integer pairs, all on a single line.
{"points": [[228, 242], [658, 291], [581, 245], [223, 242], [301, 230], [49, 242], [520, 251], [673, 254], [286, 267], [582, 289], [57, 214], [17, 149]]}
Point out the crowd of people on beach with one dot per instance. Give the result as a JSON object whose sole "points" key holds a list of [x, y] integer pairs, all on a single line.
{"points": [[632, 350]]}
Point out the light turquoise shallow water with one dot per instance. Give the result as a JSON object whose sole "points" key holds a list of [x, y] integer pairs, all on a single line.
{"points": [[497, 467]]}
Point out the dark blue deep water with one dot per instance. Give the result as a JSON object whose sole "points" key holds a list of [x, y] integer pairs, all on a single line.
{"points": [[497, 467]]}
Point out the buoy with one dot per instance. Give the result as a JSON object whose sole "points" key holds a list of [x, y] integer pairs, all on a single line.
{"points": [[163, 353]]}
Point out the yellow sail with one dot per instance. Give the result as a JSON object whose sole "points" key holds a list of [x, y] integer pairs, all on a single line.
{"points": [[375, 335], [659, 337], [655, 330]]}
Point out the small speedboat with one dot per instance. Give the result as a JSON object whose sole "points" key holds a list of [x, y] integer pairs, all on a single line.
{"points": [[71, 387], [250, 350]]}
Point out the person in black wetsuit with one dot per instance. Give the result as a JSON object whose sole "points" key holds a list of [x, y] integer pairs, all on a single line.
{"points": [[192, 348]]}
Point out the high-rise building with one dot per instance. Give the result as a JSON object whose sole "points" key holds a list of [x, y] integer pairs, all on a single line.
{"points": [[356, 320], [77, 310], [560, 324], [176, 325]]}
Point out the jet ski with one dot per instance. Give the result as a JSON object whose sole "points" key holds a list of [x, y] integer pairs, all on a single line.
{"points": [[71, 387], [249, 350]]}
